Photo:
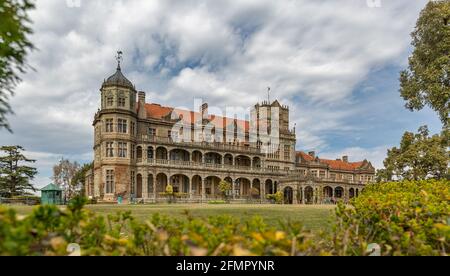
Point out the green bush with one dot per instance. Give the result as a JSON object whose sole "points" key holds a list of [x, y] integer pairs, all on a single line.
{"points": [[403, 218], [406, 218], [276, 198]]}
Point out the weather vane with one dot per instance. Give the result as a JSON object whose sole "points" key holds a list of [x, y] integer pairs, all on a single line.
{"points": [[119, 58]]}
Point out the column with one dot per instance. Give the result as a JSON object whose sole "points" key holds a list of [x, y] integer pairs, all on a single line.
{"points": [[302, 195], [233, 188], [144, 154], [145, 185], [294, 196], [262, 191], [154, 186], [190, 187], [203, 188], [241, 188]]}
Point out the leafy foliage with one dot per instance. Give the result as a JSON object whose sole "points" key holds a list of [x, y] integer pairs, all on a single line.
{"points": [[14, 46], [420, 156], [406, 218], [225, 187], [64, 174], [78, 180], [427, 80], [277, 197], [15, 176]]}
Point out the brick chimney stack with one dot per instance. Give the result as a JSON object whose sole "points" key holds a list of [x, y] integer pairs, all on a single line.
{"points": [[312, 154], [141, 97], [345, 159], [141, 105]]}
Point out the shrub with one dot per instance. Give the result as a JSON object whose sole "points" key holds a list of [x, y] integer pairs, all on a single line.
{"points": [[404, 218]]}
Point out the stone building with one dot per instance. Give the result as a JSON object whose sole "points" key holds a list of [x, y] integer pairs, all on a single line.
{"points": [[140, 147]]}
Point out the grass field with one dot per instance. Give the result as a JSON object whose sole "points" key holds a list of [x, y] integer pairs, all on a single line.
{"points": [[312, 217]]}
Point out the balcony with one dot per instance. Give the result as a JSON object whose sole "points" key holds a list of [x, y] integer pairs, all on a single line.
{"points": [[206, 166], [294, 175], [216, 146]]}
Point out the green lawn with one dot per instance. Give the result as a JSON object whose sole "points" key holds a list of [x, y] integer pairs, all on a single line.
{"points": [[312, 217]]}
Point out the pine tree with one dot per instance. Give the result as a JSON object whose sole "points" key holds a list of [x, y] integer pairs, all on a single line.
{"points": [[15, 176]]}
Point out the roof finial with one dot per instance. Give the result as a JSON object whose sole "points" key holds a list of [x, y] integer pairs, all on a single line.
{"points": [[119, 58]]}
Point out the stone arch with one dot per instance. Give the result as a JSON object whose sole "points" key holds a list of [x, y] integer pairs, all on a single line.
{"points": [[309, 195], [327, 192], [161, 153], [339, 192], [256, 186], [180, 183], [213, 158], [269, 186], [197, 156], [242, 161], [161, 183], [243, 186], [179, 155], [228, 179], [351, 193], [197, 185], [288, 194], [139, 185], [228, 159], [212, 185]]}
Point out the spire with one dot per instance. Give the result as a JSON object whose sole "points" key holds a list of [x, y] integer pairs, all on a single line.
{"points": [[119, 58]]}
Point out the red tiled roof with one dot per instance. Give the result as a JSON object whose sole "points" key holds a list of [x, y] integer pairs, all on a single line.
{"points": [[341, 165], [157, 111], [305, 156], [333, 164]]}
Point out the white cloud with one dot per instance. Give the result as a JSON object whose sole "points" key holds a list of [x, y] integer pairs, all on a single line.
{"points": [[312, 54]]}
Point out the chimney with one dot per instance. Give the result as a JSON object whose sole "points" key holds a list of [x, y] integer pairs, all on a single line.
{"points": [[345, 158], [312, 154], [142, 114], [204, 110], [141, 97]]}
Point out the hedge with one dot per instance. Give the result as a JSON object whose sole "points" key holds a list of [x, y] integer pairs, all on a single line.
{"points": [[403, 218]]}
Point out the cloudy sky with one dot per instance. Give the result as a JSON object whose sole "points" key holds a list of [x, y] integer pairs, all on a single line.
{"points": [[335, 63]]}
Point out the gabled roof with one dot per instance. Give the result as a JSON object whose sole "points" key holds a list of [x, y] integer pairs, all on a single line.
{"points": [[51, 187], [341, 165], [305, 156], [336, 164], [156, 111]]}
